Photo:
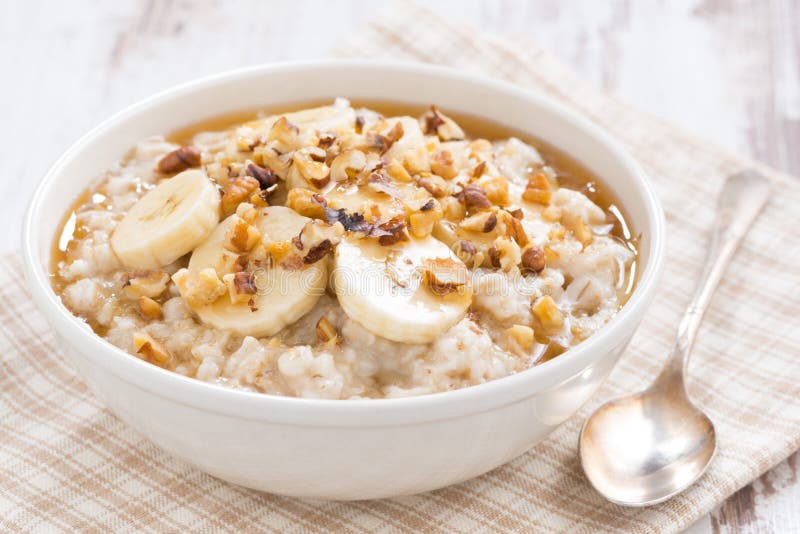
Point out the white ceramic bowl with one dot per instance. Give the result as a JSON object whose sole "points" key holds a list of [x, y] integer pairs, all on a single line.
{"points": [[342, 449]]}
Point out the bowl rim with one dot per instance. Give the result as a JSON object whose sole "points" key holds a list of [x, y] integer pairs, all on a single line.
{"points": [[343, 412]]}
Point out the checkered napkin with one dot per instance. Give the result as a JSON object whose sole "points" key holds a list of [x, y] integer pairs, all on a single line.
{"points": [[66, 463]]}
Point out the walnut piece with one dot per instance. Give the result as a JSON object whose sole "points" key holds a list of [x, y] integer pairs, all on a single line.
{"points": [[179, 160], [533, 259], [284, 135], [423, 219], [444, 275], [484, 221], [151, 350], [238, 190], [538, 189], [306, 203], [150, 284], [326, 332], [149, 308], [436, 122], [435, 185], [266, 178], [514, 228], [508, 253], [474, 198], [522, 337], [317, 239], [241, 286], [547, 313], [391, 232], [579, 229], [347, 165], [242, 236], [397, 172], [496, 188], [199, 288], [443, 164], [310, 163]]}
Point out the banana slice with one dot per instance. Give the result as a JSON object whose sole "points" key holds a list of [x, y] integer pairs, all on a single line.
{"points": [[340, 116], [283, 294], [387, 289], [167, 222]]}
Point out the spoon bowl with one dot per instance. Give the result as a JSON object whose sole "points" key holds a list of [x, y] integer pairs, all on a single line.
{"points": [[644, 448]]}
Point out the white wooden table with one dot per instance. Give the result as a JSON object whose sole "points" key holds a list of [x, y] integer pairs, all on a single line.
{"points": [[729, 71]]}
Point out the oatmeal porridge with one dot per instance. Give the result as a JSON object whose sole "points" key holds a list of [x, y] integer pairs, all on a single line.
{"points": [[343, 252]]}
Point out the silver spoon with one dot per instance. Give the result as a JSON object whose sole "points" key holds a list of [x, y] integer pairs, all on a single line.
{"points": [[644, 448]]}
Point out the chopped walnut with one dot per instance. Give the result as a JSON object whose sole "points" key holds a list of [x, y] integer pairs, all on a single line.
{"points": [[550, 254], [241, 286], [149, 308], [391, 232], [467, 252], [247, 211], [508, 254], [514, 228], [151, 284], [444, 275], [453, 209], [416, 160], [306, 203], [262, 197], [394, 134], [280, 250], [326, 140], [422, 220], [484, 221], [579, 229], [266, 178], [247, 139], [231, 262], [238, 190], [533, 259], [538, 189], [442, 163], [199, 288], [317, 239], [494, 257], [150, 349], [434, 121], [496, 188], [347, 165], [397, 172], [179, 160], [517, 213], [547, 313], [326, 332], [310, 163], [270, 158], [242, 236], [435, 185], [285, 135], [474, 198], [479, 169], [522, 337]]}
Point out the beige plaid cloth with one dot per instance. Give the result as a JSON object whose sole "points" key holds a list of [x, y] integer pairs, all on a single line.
{"points": [[67, 464]]}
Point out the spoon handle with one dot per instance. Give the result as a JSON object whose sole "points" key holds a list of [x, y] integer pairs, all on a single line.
{"points": [[742, 198]]}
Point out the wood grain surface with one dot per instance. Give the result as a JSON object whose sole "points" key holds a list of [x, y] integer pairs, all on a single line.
{"points": [[728, 71]]}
